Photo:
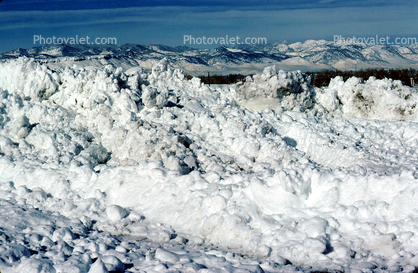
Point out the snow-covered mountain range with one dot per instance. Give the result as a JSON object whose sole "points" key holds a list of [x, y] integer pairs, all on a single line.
{"points": [[307, 56]]}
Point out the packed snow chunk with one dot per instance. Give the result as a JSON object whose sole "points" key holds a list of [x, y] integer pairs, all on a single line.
{"points": [[28, 79], [62, 234], [15, 252], [196, 240], [112, 263], [136, 77], [19, 127], [372, 99], [151, 97], [275, 90], [36, 266], [166, 256], [160, 68], [116, 213], [98, 267]]}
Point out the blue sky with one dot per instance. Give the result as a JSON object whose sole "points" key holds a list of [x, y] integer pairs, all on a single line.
{"points": [[167, 22]]}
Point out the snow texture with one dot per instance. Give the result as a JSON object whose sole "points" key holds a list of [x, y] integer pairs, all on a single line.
{"points": [[105, 170]]}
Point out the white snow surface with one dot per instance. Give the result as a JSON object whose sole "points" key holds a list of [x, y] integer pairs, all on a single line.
{"points": [[107, 170]]}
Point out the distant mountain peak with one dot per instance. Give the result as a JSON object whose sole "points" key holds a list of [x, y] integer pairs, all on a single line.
{"points": [[307, 55]]}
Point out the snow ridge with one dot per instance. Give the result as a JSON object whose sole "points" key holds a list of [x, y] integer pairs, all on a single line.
{"points": [[111, 170]]}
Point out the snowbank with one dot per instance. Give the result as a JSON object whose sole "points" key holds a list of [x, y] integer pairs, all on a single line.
{"points": [[290, 90], [102, 169], [372, 99]]}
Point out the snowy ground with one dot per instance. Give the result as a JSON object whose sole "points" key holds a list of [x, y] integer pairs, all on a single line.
{"points": [[104, 170]]}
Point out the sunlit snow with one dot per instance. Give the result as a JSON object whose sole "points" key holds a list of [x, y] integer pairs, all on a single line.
{"points": [[109, 170]]}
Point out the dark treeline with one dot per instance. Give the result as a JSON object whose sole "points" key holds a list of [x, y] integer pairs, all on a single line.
{"points": [[323, 78], [220, 79]]}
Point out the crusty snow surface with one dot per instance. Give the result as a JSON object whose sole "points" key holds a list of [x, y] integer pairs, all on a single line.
{"points": [[107, 170]]}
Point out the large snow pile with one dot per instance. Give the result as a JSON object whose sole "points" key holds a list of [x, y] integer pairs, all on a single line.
{"points": [[372, 99], [282, 90], [104, 170], [376, 99]]}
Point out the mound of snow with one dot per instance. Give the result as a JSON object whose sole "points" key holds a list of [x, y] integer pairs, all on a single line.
{"points": [[105, 170], [290, 90], [373, 99], [28, 79], [96, 111]]}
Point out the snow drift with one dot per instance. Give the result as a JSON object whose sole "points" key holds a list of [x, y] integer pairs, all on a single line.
{"points": [[372, 99], [138, 170], [289, 90]]}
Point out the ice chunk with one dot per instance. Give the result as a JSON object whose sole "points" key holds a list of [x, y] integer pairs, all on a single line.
{"points": [[166, 256], [116, 213], [98, 267]]}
